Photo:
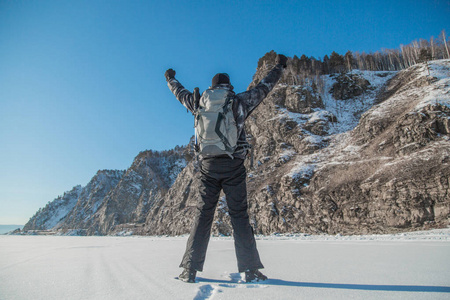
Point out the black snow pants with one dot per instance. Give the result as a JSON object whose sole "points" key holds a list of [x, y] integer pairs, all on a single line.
{"points": [[230, 175]]}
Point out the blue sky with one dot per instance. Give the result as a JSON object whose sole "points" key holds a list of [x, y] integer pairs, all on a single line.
{"points": [[82, 85]]}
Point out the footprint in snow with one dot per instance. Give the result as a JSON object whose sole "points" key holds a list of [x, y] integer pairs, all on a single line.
{"points": [[205, 292], [236, 277]]}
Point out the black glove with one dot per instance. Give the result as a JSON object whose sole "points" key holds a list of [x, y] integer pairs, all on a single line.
{"points": [[170, 73], [281, 59]]}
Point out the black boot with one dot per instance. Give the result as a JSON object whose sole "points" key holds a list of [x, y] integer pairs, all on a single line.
{"points": [[188, 275], [254, 276]]}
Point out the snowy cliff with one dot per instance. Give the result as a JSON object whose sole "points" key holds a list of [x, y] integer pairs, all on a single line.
{"points": [[112, 197], [54, 212], [357, 152], [346, 153]]}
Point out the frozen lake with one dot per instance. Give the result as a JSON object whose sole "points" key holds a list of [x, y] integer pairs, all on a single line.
{"points": [[406, 266]]}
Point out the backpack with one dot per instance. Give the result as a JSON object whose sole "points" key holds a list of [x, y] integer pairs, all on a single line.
{"points": [[215, 127]]}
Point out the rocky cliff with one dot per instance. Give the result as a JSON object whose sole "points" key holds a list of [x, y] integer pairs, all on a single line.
{"points": [[113, 198], [144, 184], [361, 152], [54, 212], [366, 152]]}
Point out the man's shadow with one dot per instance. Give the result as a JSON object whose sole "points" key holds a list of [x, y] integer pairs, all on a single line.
{"points": [[346, 286]]}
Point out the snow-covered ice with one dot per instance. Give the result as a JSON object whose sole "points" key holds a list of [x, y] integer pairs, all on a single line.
{"points": [[300, 266]]}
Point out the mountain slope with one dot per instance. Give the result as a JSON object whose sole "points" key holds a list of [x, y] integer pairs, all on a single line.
{"points": [[311, 174], [353, 153], [89, 201], [112, 199], [70, 212], [54, 212], [349, 186], [144, 183]]}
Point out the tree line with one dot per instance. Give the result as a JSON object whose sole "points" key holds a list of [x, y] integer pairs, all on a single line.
{"points": [[304, 68]]}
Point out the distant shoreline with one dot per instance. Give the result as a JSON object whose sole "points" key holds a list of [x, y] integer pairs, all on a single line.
{"points": [[7, 228]]}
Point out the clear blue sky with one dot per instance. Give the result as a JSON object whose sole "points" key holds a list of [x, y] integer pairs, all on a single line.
{"points": [[82, 85]]}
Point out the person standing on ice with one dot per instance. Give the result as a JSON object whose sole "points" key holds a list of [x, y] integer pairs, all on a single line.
{"points": [[222, 147]]}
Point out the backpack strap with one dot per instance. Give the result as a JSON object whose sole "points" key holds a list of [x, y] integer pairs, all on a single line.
{"points": [[227, 106], [224, 139]]}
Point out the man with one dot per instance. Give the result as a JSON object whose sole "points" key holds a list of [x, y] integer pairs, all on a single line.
{"points": [[225, 172]]}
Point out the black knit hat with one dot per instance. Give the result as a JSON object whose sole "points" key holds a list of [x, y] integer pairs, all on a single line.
{"points": [[220, 78]]}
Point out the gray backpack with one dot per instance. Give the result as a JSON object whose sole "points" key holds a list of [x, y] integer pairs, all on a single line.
{"points": [[215, 126]]}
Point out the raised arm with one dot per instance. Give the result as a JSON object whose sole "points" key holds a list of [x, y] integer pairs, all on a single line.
{"points": [[253, 97], [183, 95]]}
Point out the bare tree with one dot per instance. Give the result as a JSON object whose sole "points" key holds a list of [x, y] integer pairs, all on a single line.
{"points": [[348, 58], [445, 43], [415, 51], [432, 46]]}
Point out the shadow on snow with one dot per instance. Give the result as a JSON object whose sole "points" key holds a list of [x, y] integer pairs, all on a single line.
{"points": [[345, 286]]}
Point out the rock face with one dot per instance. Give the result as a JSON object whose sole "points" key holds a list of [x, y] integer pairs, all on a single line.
{"points": [[313, 173], [389, 174], [113, 199], [89, 201], [144, 184], [348, 86], [366, 152]]}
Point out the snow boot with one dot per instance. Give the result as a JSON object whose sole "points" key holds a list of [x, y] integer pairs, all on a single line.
{"points": [[254, 276], [188, 275]]}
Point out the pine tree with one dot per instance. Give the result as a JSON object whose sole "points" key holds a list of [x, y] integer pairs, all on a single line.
{"points": [[424, 55], [326, 65], [337, 63], [268, 58]]}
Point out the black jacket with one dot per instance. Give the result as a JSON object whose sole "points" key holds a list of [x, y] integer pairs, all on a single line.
{"points": [[244, 103]]}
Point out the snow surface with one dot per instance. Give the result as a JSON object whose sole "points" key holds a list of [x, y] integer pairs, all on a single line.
{"points": [[440, 70], [300, 266], [438, 91]]}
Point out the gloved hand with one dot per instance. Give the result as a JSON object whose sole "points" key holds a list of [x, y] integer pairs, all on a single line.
{"points": [[281, 59], [170, 73]]}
